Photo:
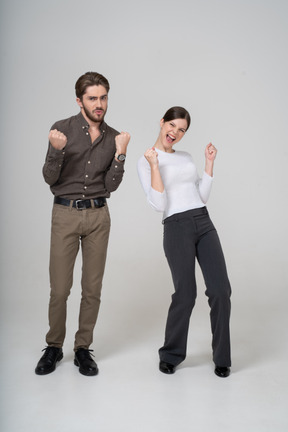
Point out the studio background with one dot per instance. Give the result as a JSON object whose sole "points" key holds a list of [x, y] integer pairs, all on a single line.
{"points": [[224, 61]]}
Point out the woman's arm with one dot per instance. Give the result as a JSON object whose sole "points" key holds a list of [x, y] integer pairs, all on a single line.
{"points": [[156, 181], [150, 178], [205, 183], [210, 155]]}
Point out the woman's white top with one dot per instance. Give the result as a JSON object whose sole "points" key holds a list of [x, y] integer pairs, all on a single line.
{"points": [[183, 188]]}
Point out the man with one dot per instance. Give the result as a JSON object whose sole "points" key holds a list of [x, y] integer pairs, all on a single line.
{"points": [[84, 164]]}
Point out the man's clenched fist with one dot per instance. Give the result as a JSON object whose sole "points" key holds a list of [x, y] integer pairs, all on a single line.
{"points": [[57, 139]]}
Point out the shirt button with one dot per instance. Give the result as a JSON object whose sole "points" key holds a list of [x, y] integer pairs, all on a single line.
{"points": [[83, 196], [116, 166], [85, 187], [87, 133], [86, 175], [89, 162]]}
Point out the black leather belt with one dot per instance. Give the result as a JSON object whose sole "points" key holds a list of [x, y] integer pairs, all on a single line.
{"points": [[81, 204]]}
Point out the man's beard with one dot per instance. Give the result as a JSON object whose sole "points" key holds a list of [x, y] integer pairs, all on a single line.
{"points": [[95, 119]]}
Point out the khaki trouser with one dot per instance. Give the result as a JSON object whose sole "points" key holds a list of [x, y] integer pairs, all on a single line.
{"points": [[70, 227]]}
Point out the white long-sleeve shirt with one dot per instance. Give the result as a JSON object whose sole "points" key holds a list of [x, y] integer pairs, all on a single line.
{"points": [[183, 188]]}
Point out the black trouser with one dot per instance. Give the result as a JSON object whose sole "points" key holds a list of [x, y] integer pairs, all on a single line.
{"points": [[188, 235]]}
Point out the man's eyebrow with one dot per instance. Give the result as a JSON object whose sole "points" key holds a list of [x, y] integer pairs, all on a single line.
{"points": [[96, 97]]}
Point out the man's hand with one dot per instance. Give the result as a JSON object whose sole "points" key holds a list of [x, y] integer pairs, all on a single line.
{"points": [[121, 142], [57, 139]]}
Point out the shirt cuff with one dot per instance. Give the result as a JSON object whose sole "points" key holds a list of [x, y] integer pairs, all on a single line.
{"points": [[157, 199], [117, 166], [208, 177], [56, 154]]}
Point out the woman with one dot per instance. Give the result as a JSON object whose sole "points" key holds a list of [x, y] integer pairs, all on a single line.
{"points": [[172, 185]]}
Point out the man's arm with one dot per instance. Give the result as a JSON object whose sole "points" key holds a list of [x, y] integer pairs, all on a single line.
{"points": [[55, 156], [115, 172]]}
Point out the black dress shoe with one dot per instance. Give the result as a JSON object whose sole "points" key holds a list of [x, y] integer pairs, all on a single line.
{"points": [[47, 362], [86, 364], [166, 368], [222, 372]]}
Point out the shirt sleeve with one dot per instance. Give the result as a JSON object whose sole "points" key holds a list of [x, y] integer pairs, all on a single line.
{"points": [[114, 175], [205, 186], [53, 165], [157, 200], [54, 161]]}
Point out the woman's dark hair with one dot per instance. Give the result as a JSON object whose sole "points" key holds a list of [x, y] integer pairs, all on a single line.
{"points": [[90, 79], [177, 113]]}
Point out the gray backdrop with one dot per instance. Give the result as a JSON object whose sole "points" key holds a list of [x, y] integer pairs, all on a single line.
{"points": [[226, 62]]}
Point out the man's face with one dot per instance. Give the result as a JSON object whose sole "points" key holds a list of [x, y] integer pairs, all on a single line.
{"points": [[94, 103]]}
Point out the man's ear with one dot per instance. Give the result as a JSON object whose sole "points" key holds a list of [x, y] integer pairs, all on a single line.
{"points": [[79, 102]]}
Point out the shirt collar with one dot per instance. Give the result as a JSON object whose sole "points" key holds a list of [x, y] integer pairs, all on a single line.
{"points": [[85, 125]]}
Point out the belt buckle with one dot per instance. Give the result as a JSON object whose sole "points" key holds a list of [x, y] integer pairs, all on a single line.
{"points": [[76, 204]]}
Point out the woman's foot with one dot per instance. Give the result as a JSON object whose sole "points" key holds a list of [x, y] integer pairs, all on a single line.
{"points": [[166, 368], [222, 372]]}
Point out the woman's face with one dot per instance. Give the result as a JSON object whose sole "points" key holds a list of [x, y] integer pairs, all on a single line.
{"points": [[171, 132]]}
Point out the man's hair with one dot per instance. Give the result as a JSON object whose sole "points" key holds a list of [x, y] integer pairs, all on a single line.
{"points": [[90, 79], [177, 113]]}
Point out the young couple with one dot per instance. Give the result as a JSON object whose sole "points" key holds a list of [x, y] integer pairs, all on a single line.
{"points": [[84, 164]]}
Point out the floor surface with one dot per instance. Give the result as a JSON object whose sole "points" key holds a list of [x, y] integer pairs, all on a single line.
{"points": [[131, 394]]}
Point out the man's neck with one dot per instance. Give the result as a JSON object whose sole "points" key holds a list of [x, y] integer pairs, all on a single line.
{"points": [[95, 126]]}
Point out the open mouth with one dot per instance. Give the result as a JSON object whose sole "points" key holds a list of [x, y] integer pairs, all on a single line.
{"points": [[170, 138]]}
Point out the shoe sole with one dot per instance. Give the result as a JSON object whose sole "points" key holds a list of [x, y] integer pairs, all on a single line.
{"points": [[167, 372]]}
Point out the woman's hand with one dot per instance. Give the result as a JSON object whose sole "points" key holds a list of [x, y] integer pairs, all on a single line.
{"points": [[210, 152], [210, 155], [152, 157], [156, 181]]}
